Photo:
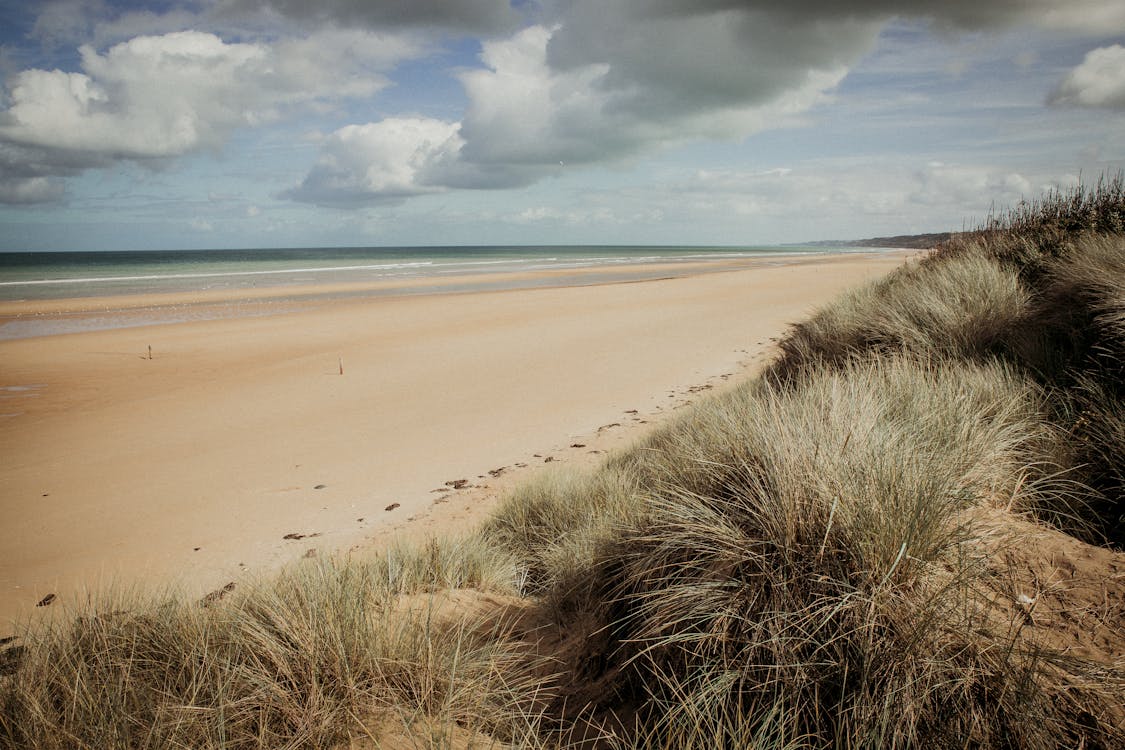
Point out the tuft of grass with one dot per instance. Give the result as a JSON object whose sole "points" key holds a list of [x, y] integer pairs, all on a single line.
{"points": [[1055, 312], [981, 422], [311, 658], [969, 307], [1040, 286], [1028, 236], [1080, 307], [803, 571], [561, 516]]}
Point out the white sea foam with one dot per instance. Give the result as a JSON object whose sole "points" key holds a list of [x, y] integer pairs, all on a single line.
{"points": [[41, 276], [218, 274]]}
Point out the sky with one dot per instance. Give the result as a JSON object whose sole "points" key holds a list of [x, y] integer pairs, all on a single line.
{"points": [[289, 123]]}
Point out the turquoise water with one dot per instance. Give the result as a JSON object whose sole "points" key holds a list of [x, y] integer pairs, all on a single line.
{"points": [[30, 276]]}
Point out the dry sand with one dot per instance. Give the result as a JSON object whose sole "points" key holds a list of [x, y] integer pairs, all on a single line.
{"points": [[192, 467]]}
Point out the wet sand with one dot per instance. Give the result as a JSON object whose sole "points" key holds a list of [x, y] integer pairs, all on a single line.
{"points": [[328, 421]]}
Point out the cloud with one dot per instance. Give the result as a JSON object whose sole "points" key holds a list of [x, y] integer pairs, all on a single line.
{"points": [[1097, 16], [593, 82], [838, 198], [527, 120], [26, 190], [158, 97], [383, 161], [601, 82], [667, 58], [1098, 82], [62, 22], [968, 187], [476, 16], [33, 175], [551, 216], [712, 55], [593, 90]]}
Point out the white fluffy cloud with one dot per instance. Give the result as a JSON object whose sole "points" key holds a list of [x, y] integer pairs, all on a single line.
{"points": [[1098, 82], [151, 96], [606, 80], [527, 120], [155, 97], [388, 160], [591, 82], [158, 96]]}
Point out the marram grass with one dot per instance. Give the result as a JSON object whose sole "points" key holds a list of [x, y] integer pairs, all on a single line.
{"points": [[310, 658], [800, 565]]}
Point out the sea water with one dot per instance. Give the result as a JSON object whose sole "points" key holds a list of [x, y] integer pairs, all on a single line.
{"points": [[61, 275], [54, 275]]}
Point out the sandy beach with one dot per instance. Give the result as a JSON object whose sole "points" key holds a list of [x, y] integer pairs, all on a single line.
{"points": [[330, 423]]}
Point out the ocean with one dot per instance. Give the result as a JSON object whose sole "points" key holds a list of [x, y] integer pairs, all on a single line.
{"points": [[54, 275], [64, 275]]}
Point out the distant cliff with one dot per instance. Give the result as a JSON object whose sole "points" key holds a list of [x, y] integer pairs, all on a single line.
{"points": [[920, 241]]}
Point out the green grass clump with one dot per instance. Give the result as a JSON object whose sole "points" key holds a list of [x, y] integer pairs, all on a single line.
{"points": [[968, 307], [799, 562], [320, 654], [803, 570], [1042, 289], [560, 515], [1080, 307]]}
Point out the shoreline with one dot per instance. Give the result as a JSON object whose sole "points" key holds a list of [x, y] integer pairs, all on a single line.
{"points": [[194, 466], [28, 318]]}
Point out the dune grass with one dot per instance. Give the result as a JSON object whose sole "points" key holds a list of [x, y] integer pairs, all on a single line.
{"points": [[311, 658], [806, 560], [968, 307], [798, 562], [799, 566], [1041, 288], [1028, 236]]}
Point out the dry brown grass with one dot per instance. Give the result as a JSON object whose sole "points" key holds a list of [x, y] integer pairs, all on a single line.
{"points": [[798, 568], [314, 657]]}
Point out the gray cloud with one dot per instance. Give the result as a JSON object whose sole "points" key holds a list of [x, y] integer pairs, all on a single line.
{"points": [[66, 22], [475, 16], [30, 190], [1099, 16], [596, 81], [34, 175], [671, 62], [608, 82], [1098, 82], [602, 81], [668, 57], [69, 23]]}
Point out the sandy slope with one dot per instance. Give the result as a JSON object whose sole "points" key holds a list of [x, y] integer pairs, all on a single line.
{"points": [[194, 466]]}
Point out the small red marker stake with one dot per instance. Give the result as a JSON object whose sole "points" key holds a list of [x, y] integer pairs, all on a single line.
{"points": [[341, 365]]}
